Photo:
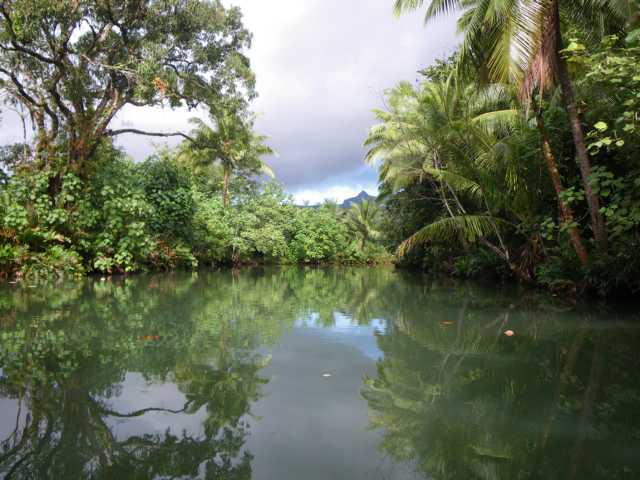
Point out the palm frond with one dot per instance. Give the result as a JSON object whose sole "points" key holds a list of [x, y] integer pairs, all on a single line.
{"points": [[457, 182], [452, 229], [498, 119], [267, 170]]}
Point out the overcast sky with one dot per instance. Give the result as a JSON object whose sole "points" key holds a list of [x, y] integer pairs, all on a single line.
{"points": [[321, 66]]}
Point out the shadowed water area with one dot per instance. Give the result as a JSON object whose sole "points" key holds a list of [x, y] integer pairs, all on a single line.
{"points": [[313, 374]]}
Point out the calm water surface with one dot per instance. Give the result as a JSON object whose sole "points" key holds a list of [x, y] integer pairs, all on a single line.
{"points": [[313, 374]]}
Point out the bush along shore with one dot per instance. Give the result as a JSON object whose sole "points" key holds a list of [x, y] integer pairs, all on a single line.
{"points": [[161, 214]]}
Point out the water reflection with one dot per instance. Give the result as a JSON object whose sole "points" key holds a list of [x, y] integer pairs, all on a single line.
{"points": [[559, 399], [65, 355], [170, 376]]}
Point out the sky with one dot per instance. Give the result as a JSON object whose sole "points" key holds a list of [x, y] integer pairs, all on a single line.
{"points": [[322, 66]]}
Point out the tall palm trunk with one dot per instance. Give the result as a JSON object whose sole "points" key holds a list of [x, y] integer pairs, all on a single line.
{"points": [[582, 156], [226, 180], [566, 212]]}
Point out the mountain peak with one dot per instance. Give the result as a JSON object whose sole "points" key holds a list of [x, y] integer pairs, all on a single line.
{"points": [[357, 199]]}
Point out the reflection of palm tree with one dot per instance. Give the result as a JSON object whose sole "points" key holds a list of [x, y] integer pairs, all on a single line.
{"points": [[464, 402]]}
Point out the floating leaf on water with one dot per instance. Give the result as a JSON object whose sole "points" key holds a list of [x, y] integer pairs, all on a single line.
{"points": [[151, 337]]}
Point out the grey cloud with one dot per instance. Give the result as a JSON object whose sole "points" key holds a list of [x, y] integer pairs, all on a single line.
{"points": [[321, 73]]}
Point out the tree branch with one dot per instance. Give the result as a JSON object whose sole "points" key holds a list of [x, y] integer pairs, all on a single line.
{"points": [[20, 88], [139, 413], [112, 133], [14, 39]]}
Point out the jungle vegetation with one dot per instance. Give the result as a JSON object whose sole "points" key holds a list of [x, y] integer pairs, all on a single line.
{"points": [[72, 203], [514, 158], [517, 156]]}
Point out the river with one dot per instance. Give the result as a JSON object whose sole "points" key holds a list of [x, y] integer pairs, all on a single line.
{"points": [[316, 373]]}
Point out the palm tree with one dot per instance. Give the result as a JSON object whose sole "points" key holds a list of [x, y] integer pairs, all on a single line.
{"points": [[232, 144], [520, 42], [466, 143], [362, 219]]}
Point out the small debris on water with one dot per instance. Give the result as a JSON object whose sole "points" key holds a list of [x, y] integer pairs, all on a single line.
{"points": [[446, 324], [509, 333], [151, 337]]}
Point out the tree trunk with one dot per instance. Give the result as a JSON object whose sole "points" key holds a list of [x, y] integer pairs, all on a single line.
{"points": [[504, 255], [225, 187], [582, 156], [565, 210]]}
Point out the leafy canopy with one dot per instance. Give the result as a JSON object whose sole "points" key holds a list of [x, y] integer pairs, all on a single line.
{"points": [[74, 64]]}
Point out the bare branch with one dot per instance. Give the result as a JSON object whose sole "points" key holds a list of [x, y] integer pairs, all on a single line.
{"points": [[112, 133], [138, 413]]}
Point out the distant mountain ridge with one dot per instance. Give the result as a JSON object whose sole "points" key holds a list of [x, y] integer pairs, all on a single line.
{"points": [[357, 199], [347, 203]]}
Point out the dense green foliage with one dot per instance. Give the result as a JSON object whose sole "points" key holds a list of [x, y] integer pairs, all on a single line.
{"points": [[156, 215], [488, 168], [517, 156]]}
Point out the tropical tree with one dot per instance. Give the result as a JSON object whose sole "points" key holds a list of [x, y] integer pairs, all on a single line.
{"points": [[73, 65], [362, 220], [521, 43], [467, 145], [231, 143]]}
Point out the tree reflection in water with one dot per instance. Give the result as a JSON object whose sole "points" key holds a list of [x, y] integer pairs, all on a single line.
{"points": [[453, 394], [557, 400], [64, 359]]}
